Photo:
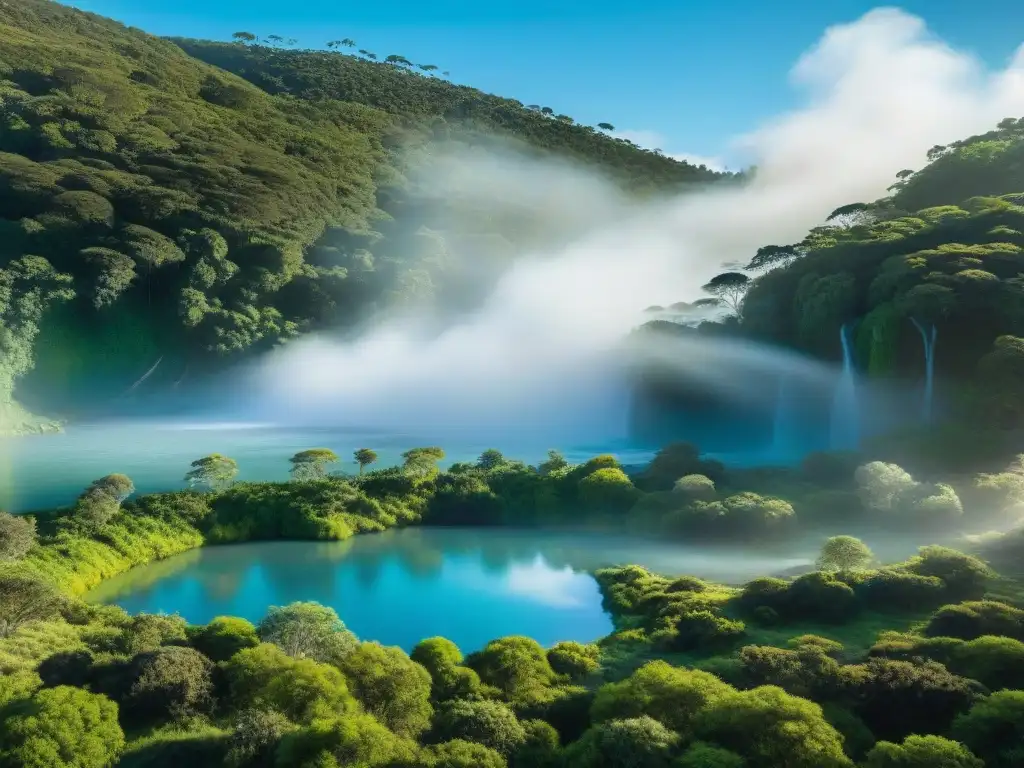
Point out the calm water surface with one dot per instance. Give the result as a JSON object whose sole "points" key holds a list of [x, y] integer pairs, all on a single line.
{"points": [[398, 587]]}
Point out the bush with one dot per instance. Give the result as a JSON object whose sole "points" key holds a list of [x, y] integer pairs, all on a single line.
{"points": [[678, 460], [17, 536], [843, 553], [880, 484], [575, 660], [391, 687], [223, 637], [490, 723], [147, 632], [170, 682], [541, 748], [930, 504], [517, 666], [819, 596], [687, 584], [768, 727], [890, 589], [265, 677], [607, 491], [970, 620], [897, 698], [671, 695], [25, 598], [255, 737], [922, 752], [639, 743], [994, 729], [705, 630], [767, 591], [61, 727], [695, 487], [307, 630], [996, 662], [965, 577], [702, 755], [442, 659], [806, 671], [462, 754]]}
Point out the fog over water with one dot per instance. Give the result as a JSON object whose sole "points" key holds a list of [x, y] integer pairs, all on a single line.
{"points": [[542, 353], [539, 364]]}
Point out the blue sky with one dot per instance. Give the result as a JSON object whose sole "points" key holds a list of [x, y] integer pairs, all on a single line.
{"points": [[684, 75]]}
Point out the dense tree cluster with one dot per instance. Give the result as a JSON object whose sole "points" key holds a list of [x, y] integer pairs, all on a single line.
{"points": [[695, 674]]}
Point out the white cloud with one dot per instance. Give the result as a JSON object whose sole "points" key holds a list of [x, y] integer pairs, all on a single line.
{"points": [[541, 354], [655, 140]]}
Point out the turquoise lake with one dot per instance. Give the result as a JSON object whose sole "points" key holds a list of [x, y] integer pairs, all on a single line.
{"points": [[398, 587]]}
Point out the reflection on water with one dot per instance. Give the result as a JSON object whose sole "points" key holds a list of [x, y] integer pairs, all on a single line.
{"points": [[398, 587]]}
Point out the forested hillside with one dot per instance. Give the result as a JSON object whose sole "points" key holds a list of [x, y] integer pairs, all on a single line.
{"points": [[937, 266], [157, 210], [942, 257]]}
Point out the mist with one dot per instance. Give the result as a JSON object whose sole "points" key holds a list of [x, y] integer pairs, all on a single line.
{"points": [[542, 355]]}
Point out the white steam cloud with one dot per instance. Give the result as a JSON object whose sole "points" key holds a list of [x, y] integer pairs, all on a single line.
{"points": [[879, 93]]}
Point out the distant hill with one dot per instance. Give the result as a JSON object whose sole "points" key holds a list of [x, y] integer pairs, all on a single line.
{"points": [[179, 205]]}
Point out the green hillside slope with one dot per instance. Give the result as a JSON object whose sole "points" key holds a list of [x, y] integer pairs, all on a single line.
{"points": [[439, 108], [157, 210]]}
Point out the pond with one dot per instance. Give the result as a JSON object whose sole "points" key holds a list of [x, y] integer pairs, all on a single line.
{"points": [[398, 587]]}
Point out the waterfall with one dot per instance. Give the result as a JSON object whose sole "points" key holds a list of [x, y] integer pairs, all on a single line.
{"points": [[928, 337], [845, 424]]}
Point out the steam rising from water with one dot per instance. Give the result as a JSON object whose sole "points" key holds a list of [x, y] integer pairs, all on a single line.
{"points": [[541, 354]]}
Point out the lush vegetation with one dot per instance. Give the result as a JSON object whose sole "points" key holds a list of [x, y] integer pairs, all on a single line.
{"points": [[933, 269], [166, 216], [908, 664]]}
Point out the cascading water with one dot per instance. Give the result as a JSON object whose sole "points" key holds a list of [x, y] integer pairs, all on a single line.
{"points": [[845, 425], [928, 338]]}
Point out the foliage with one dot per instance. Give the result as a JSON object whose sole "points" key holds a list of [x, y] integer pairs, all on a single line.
{"points": [[266, 678], [922, 752], [769, 727], [640, 742], [972, 619], [515, 665], [24, 598], [307, 630], [574, 660], [60, 727], [214, 471], [17, 536], [390, 686], [223, 637], [842, 553], [171, 682], [671, 695], [312, 464], [994, 729], [490, 723], [365, 457]]}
